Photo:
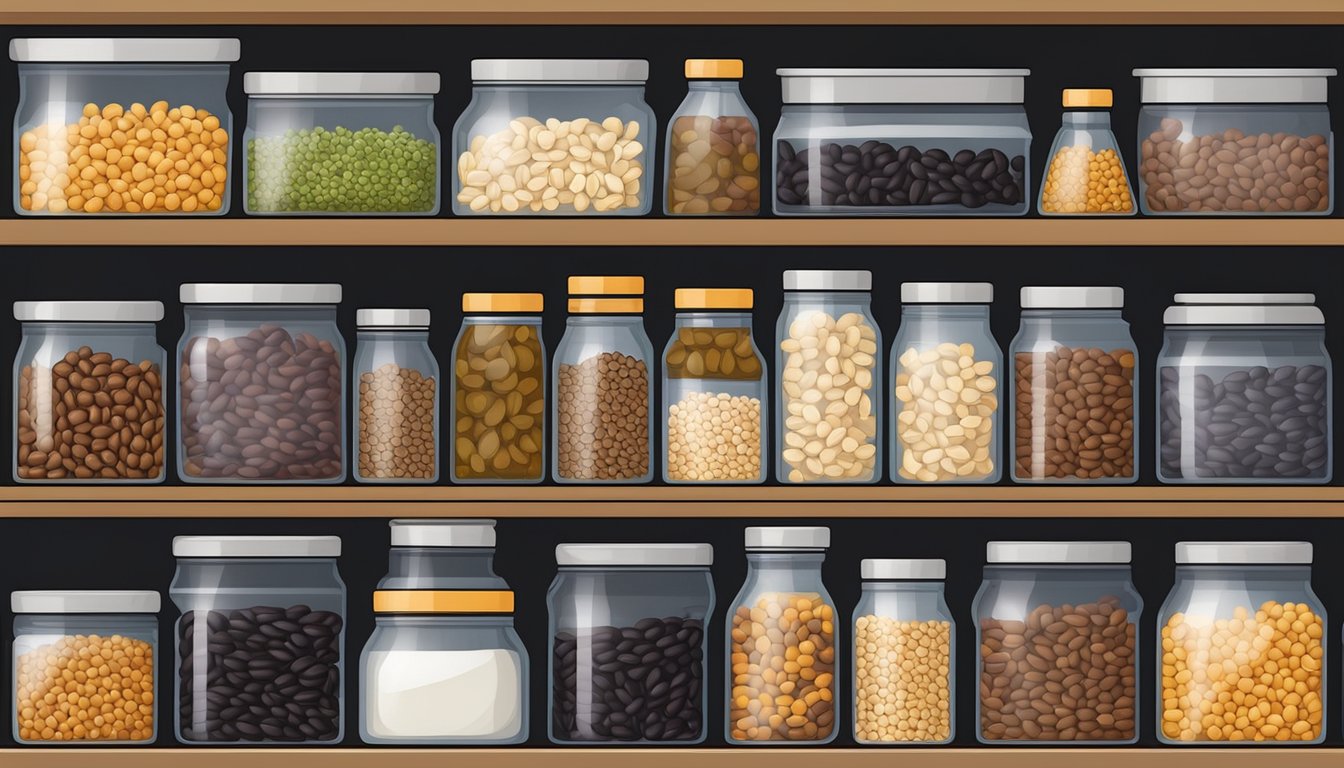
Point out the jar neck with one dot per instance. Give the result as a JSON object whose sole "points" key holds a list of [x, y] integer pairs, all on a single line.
{"points": [[1286, 572], [794, 560], [924, 587], [631, 321], [946, 311], [1076, 316], [501, 320], [420, 562], [856, 298], [387, 334], [446, 620], [1099, 118], [88, 329], [714, 86], [708, 319]]}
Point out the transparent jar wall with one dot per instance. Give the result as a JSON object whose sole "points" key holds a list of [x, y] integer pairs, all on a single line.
{"points": [[273, 340], [396, 441], [1295, 139], [443, 568], [1088, 358], [53, 352], [1073, 608], [904, 633], [619, 342], [493, 111], [443, 680], [713, 136], [133, 641], [809, 315], [977, 155], [55, 95], [385, 161], [1270, 614], [1210, 431], [935, 340], [599, 621], [507, 401], [293, 605], [1085, 173]]}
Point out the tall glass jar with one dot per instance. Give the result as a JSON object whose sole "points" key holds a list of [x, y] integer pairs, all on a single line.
{"points": [[499, 390], [602, 396], [627, 629], [834, 391], [442, 555], [715, 391], [1243, 642], [945, 370], [1086, 173], [1074, 399], [713, 161], [104, 356], [783, 596], [904, 655], [1057, 625], [396, 379]]}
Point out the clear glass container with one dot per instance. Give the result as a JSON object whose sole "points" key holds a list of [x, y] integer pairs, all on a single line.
{"points": [[109, 126], [830, 310], [783, 595], [396, 408], [1243, 642], [627, 629], [602, 391], [1086, 171], [1057, 625], [262, 632], [713, 154], [272, 356], [945, 374], [715, 391], [904, 655], [442, 555], [1235, 142], [88, 393], [1074, 397], [584, 136], [1244, 390], [56, 633], [499, 408], [341, 143]]}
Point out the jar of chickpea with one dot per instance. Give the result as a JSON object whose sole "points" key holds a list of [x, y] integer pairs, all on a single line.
{"points": [[1086, 171]]}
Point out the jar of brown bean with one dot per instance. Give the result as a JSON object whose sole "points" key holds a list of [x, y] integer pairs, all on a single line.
{"points": [[396, 383], [713, 161]]}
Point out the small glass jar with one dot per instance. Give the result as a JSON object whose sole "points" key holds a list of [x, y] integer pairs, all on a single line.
{"points": [[715, 391], [602, 395], [555, 136], [713, 161], [1086, 173], [1244, 390], [442, 555], [499, 390], [1057, 625], [1074, 399], [627, 629], [396, 379], [784, 594], [56, 632], [945, 370], [836, 389], [268, 355], [262, 632], [904, 655], [104, 355], [1243, 642]]}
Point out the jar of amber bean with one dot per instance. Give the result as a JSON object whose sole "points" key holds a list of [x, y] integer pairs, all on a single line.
{"points": [[1086, 173]]}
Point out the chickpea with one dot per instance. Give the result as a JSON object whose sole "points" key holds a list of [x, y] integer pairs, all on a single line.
{"points": [[86, 688]]}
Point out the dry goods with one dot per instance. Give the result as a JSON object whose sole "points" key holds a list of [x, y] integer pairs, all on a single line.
{"points": [[713, 353], [713, 435], [783, 669], [396, 423], [342, 171], [1075, 413], [947, 400], [1082, 181], [902, 680], [86, 688], [715, 168], [500, 403], [472, 695], [602, 415]]}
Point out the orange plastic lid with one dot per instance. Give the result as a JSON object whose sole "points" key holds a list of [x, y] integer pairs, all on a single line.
{"points": [[606, 285], [502, 302], [714, 69], [434, 601], [606, 306], [714, 298], [1087, 97]]}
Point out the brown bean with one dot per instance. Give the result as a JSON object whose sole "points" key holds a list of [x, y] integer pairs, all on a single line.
{"points": [[602, 413]]}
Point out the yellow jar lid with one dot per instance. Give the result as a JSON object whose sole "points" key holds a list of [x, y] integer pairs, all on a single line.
{"points": [[436, 601], [1087, 97], [502, 302], [714, 69], [606, 306], [606, 285], [714, 298]]}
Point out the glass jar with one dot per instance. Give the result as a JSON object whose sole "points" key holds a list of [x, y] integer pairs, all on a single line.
{"points": [[1074, 399], [270, 611], [586, 116], [627, 623], [442, 555], [1261, 140], [122, 125], [830, 310], [272, 356], [713, 161], [917, 142], [1086, 173], [1056, 625], [945, 371], [714, 390], [783, 592], [602, 393], [904, 655], [55, 632], [1244, 390], [499, 408], [341, 143], [1242, 639], [396, 379], [104, 354]]}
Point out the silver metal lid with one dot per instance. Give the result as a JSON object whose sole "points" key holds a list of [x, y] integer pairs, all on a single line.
{"points": [[1244, 309], [1243, 553], [124, 50], [688, 555], [828, 280], [392, 318], [1072, 297], [560, 70], [904, 570], [947, 293], [88, 311], [903, 86], [260, 293], [470, 533], [788, 537], [340, 83], [256, 546], [86, 601], [1047, 552], [1233, 86]]}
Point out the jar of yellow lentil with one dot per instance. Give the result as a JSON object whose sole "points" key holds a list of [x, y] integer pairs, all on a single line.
{"points": [[1086, 172]]}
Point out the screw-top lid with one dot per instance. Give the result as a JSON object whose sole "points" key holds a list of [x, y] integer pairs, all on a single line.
{"points": [[443, 601], [446, 533], [714, 69], [690, 555], [606, 285], [560, 70], [256, 546], [947, 293], [529, 303], [1245, 298], [124, 50], [260, 293], [88, 311], [1244, 309], [903, 86], [340, 83], [714, 298], [392, 318], [1243, 553], [904, 570], [828, 280], [1072, 297], [1080, 552], [788, 537], [1082, 98], [1233, 86], [85, 601]]}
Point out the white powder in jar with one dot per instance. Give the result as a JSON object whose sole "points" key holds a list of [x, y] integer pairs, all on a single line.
{"points": [[444, 694]]}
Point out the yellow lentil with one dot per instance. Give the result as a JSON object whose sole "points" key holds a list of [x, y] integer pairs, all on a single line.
{"points": [[1082, 181]]}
